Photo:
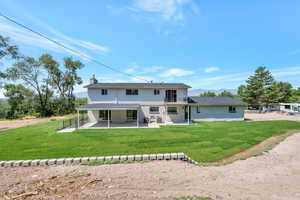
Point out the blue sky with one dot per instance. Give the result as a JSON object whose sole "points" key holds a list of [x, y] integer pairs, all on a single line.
{"points": [[207, 44]]}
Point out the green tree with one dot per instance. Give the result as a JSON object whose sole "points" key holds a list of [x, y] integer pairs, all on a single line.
{"points": [[226, 94], [295, 97], [208, 94], [4, 109], [258, 90], [241, 91], [63, 81], [281, 92], [6, 51], [20, 100], [31, 73]]}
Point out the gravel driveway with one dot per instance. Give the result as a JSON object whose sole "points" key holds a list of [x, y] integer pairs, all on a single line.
{"points": [[274, 175], [271, 116]]}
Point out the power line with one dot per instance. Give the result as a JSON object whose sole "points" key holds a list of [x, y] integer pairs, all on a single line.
{"points": [[71, 49]]}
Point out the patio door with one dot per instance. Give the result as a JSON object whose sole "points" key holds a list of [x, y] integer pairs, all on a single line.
{"points": [[131, 115], [103, 115]]}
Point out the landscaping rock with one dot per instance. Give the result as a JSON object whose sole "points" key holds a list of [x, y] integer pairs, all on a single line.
{"points": [[60, 161], [17, 163], [123, 157], [116, 158], [43, 162], [130, 157], [68, 160], [160, 156], [77, 160], [152, 157], [101, 158], [35, 162], [138, 157]]}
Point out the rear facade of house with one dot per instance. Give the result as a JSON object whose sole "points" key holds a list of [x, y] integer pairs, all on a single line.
{"points": [[156, 102]]}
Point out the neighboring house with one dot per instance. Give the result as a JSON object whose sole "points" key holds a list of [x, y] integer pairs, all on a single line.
{"points": [[155, 102], [290, 107]]}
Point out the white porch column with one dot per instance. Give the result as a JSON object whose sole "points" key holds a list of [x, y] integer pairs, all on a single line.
{"points": [[78, 125], [166, 112], [188, 114], [108, 117], [137, 118]]}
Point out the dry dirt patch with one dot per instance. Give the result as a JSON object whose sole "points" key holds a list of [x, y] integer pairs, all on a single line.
{"points": [[58, 186], [10, 124]]}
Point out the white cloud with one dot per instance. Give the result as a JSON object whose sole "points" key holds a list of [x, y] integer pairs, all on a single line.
{"points": [[90, 45], [290, 71], [211, 69], [176, 72], [24, 36], [137, 69], [278, 73], [142, 78], [167, 9], [130, 70]]}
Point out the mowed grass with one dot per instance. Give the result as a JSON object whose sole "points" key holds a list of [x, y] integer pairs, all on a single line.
{"points": [[204, 142]]}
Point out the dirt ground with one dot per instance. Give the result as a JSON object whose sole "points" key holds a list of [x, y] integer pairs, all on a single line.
{"points": [[271, 116], [274, 175], [10, 124]]}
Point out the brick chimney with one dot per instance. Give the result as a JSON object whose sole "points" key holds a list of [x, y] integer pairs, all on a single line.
{"points": [[93, 80]]}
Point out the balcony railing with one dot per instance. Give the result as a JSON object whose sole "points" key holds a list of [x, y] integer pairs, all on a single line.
{"points": [[174, 100], [171, 100]]}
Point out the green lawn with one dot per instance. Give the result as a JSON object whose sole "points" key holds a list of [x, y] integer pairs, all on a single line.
{"points": [[205, 141]]}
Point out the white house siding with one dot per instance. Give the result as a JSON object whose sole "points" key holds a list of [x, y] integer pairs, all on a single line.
{"points": [[216, 113], [145, 96], [145, 99], [176, 118]]}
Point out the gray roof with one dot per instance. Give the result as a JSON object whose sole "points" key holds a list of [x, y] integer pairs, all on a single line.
{"points": [[215, 101], [137, 85], [106, 106]]}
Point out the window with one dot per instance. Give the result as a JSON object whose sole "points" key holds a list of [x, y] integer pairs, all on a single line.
{"points": [[131, 115], [104, 91], [132, 92], [156, 92], [171, 96], [103, 114], [287, 106], [172, 110], [154, 109], [198, 109], [295, 108], [231, 109]]}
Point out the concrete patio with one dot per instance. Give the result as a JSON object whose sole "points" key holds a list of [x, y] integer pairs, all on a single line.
{"points": [[104, 124]]}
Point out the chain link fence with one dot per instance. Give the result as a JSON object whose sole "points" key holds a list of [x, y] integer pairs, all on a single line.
{"points": [[73, 122]]}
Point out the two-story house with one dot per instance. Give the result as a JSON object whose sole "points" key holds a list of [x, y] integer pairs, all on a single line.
{"points": [[141, 103]]}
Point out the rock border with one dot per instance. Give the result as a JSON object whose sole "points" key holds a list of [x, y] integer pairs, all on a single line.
{"points": [[62, 161]]}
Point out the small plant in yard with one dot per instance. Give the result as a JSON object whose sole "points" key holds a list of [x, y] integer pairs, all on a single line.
{"points": [[193, 198], [110, 162]]}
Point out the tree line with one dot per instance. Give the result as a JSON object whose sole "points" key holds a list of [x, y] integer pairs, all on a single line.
{"points": [[262, 90], [37, 86]]}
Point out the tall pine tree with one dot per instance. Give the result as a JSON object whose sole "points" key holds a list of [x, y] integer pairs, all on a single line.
{"points": [[257, 91]]}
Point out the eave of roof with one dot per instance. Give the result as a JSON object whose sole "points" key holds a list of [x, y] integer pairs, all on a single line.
{"points": [[137, 85], [215, 101], [108, 106]]}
